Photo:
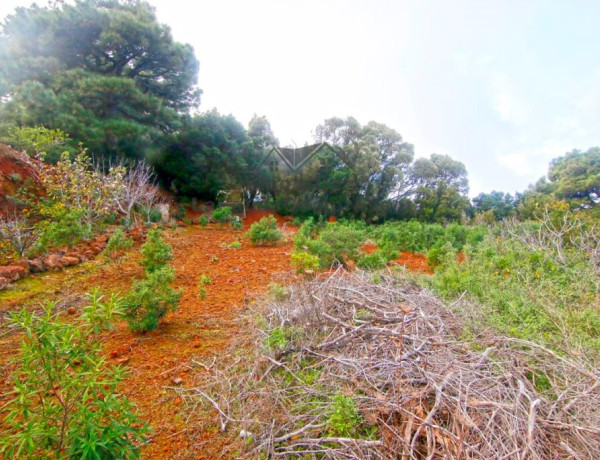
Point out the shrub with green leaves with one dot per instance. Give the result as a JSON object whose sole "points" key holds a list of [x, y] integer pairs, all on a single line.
{"points": [[117, 242], [222, 215], [305, 262], [337, 242], [264, 232], [204, 220], [344, 418], [151, 299], [236, 245], [64, 229], [237, 223], [374, 261], [155, 251], [65, 401]]}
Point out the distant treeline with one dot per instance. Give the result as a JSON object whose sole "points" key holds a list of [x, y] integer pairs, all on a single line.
{"points": [[110, 76]]}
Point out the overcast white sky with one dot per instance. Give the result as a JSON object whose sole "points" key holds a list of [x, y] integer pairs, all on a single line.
{"points": [[503, 86]]}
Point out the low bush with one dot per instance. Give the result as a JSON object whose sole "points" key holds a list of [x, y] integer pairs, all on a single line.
{"points": [[151, 299], [65, 401], [155, 251], [117, 242], [204, 220], [305, 262], [264, 232], [237, 223], [374, 261], [222, 215]]}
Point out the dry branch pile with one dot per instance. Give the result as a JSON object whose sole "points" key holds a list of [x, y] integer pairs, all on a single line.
{"points": [[422, 392]]}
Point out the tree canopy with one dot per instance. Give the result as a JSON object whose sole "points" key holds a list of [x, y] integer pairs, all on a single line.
{"points": [[104, 71]]}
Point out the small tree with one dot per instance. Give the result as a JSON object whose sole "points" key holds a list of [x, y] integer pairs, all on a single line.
{"points": [[80, 187], [155, 252], [153, 297], [134, 186], [19, 233], [64, 402]]}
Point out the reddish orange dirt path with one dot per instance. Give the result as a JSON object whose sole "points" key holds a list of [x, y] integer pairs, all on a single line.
{"points": [[199, 327]]}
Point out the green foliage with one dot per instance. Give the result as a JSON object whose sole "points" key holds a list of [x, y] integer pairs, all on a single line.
{"points": [[151, 299], [277, 339], [99, 314], [105, 72], [35, 140], [237, 223], [205, 280], [373, 261], [222, 215], [264, 232], [154, 215], [277, 291], [305, 262], [67, 229], [337, 242], [64, 402], [117, 242], [235, 245], [528, 282], [204, 220], [155, 251], [344, 419]]}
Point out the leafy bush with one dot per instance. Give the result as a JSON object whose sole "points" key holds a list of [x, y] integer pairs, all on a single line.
{"points": [[544, 295], [155, 251], [373, 261], [204, 220], [154, 215], [343, 241], [264, 232], [235, 245], [151, 299], [116, 243], [305, 262], [222, 215], [344, 418], [237, 223], [64, 402], [66, 230]]}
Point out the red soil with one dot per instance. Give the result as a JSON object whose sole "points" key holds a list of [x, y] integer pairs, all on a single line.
{"points": [[414, 262], [15, 172], [199, 327]]}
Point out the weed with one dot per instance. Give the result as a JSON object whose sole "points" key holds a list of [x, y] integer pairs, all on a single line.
{"points": [[214, 259], [118, 242], [204, 220], [344, 418], [277, 291], [235, 245], [305, 262]]}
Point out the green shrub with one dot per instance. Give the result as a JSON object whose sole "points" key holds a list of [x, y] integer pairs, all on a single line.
{"points": [[373, 261], [222, 215], [235, 245], [151, 299], [181, 212], [155, 251], [277, 291], [64, 402], [264, 232], [204, 220], [117, 242], [154, 215], [344, 418], [237, 223], [66, 230], [305, 262], [343, 241]]}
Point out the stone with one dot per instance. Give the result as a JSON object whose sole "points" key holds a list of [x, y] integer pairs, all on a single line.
{"points": [[4, 282], [52, 262], [67, 261], [36, 266], [12, 272]]}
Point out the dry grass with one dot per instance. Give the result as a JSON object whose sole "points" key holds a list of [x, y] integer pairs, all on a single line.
{"points": [[421, 390]]}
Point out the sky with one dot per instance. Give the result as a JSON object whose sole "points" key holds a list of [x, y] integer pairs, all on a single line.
{"points": [[503, 86]]}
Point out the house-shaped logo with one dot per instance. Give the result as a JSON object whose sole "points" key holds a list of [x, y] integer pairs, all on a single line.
{"points": [[295, 158]]}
